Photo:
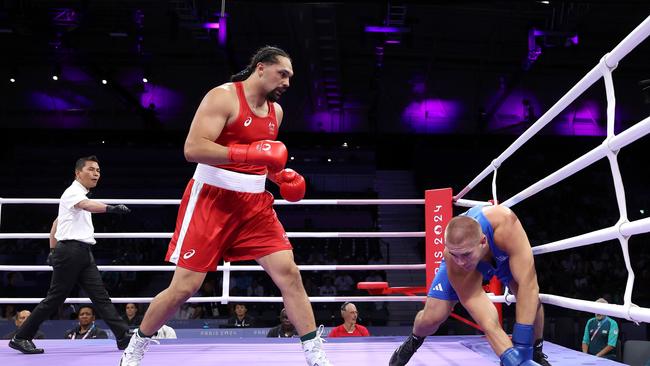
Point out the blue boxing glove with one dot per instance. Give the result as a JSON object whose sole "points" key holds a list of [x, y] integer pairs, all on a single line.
{"points": [[512, 357], [522, 339]]}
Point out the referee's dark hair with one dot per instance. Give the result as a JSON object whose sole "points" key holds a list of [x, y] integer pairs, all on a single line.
{"points": [[81, 162]]}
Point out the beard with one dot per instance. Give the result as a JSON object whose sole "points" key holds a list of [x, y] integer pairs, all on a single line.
{"points": [[274, 95]]}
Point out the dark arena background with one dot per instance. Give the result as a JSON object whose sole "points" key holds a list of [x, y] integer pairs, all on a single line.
{"points": [[388, 100]]}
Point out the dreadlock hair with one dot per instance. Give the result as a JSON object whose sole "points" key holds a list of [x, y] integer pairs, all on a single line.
{"points": [[266, 55]]}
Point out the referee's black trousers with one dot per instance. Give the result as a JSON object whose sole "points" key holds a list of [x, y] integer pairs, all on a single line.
{"points": [[73, 263]]}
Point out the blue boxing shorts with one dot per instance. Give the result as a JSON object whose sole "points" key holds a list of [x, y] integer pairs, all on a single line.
{"points": [[441, 287]]}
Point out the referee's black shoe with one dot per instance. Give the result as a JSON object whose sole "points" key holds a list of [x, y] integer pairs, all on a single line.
{"points": [[25, 346]]}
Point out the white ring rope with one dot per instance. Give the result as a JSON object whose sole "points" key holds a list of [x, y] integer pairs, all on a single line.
{"points": [[610, 147], [178, 201], [171, 268], [224, 299], [135, 235], [621, 311], [638, 35]]}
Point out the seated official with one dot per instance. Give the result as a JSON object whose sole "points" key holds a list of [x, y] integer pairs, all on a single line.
{"points": [[86, 328], [241, 318], [349, 328], [19, 319], [285, 329], [600, 336]]}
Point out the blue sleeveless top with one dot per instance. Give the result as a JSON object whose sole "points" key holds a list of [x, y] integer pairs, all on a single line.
{"points": [[501, 258]]}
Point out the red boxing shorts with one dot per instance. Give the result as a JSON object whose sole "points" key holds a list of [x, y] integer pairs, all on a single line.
{"points": [[215, 222]]}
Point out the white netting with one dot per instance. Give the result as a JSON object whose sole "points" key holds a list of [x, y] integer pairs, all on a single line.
{"points": [[623, 229]]}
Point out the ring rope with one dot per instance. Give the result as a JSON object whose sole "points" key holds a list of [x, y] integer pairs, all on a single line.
{"points": [[302, 234], [638, 35], [242, 268]]}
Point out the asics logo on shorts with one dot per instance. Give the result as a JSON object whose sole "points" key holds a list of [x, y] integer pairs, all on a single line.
{"points": [[248, 121], [189, 254], [438, 287]]}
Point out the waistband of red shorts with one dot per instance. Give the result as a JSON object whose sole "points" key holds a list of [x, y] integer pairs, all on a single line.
{"points": [[226, 179]]}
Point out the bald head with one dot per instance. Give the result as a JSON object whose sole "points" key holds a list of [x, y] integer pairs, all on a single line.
{"points": [[21, 316], [463, 231], [349, 313]]}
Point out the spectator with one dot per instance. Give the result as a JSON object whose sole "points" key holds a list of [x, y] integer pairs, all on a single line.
{"points": [[208, 309], [19, 318], [374, 276], [255, 289], [601, 335], [284, 330], [376, 259], [186, 311], [133, 319], [241, 319], [349, 328], [327, 289], [86, 328], [9, 312], [344, 284], [315, 257]]}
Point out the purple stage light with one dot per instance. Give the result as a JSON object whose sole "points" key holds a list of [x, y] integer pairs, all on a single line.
{"points": [[210, 25], [384, 29], [222, 31]]}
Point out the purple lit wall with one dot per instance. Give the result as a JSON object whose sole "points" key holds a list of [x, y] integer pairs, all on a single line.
{"points": [[351, 120], [582, 118], [521, 106], [432, 115], [164, 99]]}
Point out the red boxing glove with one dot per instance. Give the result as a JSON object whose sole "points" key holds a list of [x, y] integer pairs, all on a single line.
{"points": [[292, 185], [272, 154]]}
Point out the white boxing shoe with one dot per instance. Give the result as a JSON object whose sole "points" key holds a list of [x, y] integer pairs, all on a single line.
{"points": [[134, 353], [313, 349]]}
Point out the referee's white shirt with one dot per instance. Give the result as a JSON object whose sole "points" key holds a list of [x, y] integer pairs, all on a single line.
{"points": [[74, 223]]}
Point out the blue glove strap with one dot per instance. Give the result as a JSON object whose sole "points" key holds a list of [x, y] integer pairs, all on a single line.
{"points": [[511, 357], [523, 338]]}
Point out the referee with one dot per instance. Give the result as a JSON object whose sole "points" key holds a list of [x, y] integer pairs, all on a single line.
{"points": [[71, 240]]}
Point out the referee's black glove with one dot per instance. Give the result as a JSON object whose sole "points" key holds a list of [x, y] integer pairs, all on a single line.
{"points": [[119, 209], [48, 261]]}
